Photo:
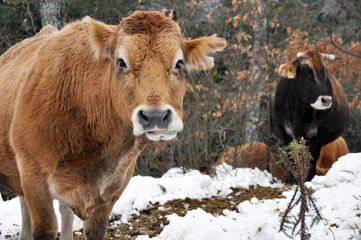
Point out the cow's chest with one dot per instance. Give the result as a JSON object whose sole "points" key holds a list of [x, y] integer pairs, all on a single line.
{"points": [[303, 123], [87, 186]]}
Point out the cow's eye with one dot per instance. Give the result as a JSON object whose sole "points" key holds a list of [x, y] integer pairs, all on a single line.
{"points": [[121, 63], [179, 64]]}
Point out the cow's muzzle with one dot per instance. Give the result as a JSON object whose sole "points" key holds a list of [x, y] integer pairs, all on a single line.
{"points": [[157, 123], [155, 118], [323, 102]]}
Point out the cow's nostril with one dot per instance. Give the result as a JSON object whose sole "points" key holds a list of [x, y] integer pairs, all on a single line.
{"points": [[168, 117], [143, 118], [326, 99]]}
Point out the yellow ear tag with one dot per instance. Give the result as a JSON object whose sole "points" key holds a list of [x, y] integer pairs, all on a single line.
{"points": [[290, 74]]}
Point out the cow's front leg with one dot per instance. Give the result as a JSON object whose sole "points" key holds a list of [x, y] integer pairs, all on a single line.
{"points": [[312, 172], [25, 220], [39, 202], [315, 150], [67, 219]]}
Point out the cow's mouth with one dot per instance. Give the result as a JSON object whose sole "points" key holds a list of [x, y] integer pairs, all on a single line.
{"points": [[160, 134], [323, 102]]}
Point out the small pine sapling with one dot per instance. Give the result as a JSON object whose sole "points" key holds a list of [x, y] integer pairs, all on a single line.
{"points": [[296, 158]]}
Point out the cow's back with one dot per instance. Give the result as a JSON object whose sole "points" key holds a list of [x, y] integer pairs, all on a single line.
{"points": [[253, 155], [329, 155], [14, 66]]}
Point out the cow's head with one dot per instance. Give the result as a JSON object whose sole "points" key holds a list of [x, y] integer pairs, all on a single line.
{"points": [[149, 56], [311, 78]]}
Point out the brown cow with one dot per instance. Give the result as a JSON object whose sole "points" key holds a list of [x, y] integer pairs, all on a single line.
{"points": [[329, 154], [252, 155], [77, 107]]}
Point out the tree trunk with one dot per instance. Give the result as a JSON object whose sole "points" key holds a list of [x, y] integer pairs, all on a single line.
{"points": [[52, 12], [257, 74]]}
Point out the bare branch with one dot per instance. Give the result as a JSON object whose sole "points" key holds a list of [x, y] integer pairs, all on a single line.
{"points": [[309, 193], [6, 41], [341, 49], [9, 4], [16, 3], [288, 210], [31, 17], [347, 40]]}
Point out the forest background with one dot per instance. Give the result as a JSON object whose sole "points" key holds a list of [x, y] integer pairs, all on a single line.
{"points": [[229, 105]]}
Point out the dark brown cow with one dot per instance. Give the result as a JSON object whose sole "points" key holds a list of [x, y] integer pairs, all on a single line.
{"points": [[309, 102], [77, 107]]}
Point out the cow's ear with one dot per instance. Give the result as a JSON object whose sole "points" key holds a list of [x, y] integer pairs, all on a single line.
{"points": [[287, 70], [102, 38], [197, 52]]}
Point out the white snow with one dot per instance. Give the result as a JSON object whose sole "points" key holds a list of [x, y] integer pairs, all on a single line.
{"points": [[337, 195]]}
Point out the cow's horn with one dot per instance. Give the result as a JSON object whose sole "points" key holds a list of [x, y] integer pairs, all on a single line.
{"points": [[301, 55], [330, 56]]}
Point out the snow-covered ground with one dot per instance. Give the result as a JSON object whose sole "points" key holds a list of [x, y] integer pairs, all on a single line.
{"points": [[338, 196]]}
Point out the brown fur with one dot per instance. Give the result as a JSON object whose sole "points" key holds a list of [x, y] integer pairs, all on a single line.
{"points": [[253, 155], [329, 155], [66, 111], [314, 59]]}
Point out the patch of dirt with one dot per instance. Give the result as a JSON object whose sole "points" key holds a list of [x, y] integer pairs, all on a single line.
{"points": [[152, 220]]}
